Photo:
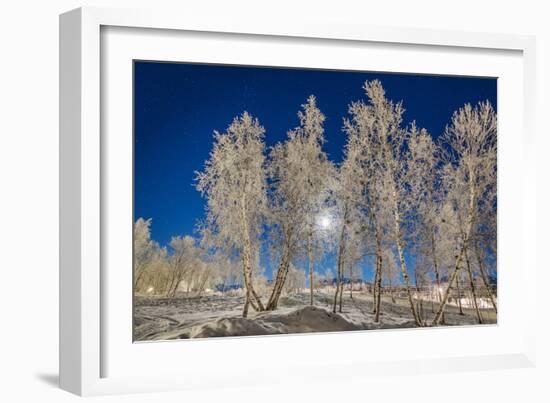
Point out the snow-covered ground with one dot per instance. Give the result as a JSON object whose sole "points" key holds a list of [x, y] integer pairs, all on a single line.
{"points": [[219, 315]]}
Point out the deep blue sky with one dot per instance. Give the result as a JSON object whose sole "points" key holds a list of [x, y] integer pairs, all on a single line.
{"points": [[177, 107]]}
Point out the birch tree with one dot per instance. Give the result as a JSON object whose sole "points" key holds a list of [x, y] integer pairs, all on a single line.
{"points": [[234, 184], [349, 223], [381, 140], [155, 279], [393, 138], [426, 190], [358, 195], [317, 172], [300, 173], [470, 145], [147, 253], [355, 254], [391, 273], [296, 280], [229, 273], [181, 262]]}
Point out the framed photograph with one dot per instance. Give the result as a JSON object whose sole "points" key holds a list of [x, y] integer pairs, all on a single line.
{"points": [[242, 195]]}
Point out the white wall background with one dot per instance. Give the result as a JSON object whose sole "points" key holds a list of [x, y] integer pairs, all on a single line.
{"points": [[29, 196]]}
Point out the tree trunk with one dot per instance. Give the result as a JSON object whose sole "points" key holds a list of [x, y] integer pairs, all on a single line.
{"points": [[378, 286], [351, 280], [466, 239], [343, 277], [418, 302], [338, 281], [459, 290], [439, 314], [246, 303], [436, 271], [391, 291], [252, 296], [246, 256], [280, 279], [400, 251], [374, 288], [139, 273], [169, 289], [203, 283], [472, 286], [484, 278], [310, 266], [420, 310], [340, 272]]}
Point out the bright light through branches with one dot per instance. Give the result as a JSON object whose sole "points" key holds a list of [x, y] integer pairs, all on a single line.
{"points": [[325, 221]]}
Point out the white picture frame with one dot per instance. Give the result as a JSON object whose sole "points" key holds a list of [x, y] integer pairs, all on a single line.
{"points": [[86, 345]]}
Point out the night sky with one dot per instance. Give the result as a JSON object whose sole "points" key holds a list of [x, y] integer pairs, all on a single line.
{"points": [[178, 106]]}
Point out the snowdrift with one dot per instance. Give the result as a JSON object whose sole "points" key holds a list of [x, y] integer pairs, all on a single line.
{"points": [[301, 320]]}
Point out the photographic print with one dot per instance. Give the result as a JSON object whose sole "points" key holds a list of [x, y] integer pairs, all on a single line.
{"points": [[272, 200]]}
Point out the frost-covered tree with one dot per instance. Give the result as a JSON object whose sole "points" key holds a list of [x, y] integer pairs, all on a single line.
{"points": [[357, 248], [234, 184], [426, 192], [183, 259], [156, 277], [375, 131], [391, 272], [143, 248], [147, 253], [390, 140], [229, 272], [359, 173], [300, 173], [351, 180], [296, 280], [318, 173], [470, 144]]}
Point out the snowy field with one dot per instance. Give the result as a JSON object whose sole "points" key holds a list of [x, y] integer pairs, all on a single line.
{"points": [[221, 315]]}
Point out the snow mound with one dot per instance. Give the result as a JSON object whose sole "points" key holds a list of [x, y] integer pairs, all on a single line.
{"points": [[302, 320], [307, 319], [227, 327]]}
